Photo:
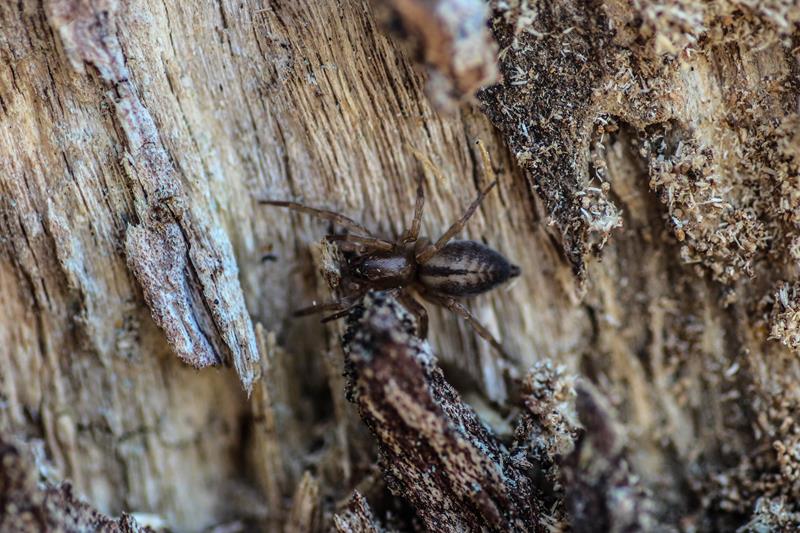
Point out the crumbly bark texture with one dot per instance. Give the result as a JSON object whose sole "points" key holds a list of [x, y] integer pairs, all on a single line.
{"points": [[30, 504], [434, 450]]}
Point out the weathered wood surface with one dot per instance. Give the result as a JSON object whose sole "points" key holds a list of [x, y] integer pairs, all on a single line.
{"points": [[648, 162]]}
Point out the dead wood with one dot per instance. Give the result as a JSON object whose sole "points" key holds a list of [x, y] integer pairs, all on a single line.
{"points": [[434, 450], [649, 177]]}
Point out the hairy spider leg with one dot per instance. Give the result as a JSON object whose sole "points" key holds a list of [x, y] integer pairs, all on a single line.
{"points": [[460, 309], [415, 308], [324, 214], [424, 255], [372, 244]]}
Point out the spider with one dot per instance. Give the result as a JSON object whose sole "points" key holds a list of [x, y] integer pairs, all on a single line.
{"points": [[440, 272]]}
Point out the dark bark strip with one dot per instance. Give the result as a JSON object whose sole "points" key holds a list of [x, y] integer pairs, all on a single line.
{"points": [[435, 452]]}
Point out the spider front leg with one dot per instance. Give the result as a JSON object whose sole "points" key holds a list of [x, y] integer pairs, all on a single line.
{"points": [[416, 309], [324, 214], [426, 252], [342, 306], [424, 255], [460, 309], [335, 305], [370, 244]]}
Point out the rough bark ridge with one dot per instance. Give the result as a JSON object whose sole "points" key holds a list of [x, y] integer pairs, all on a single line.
{"points": [[434, 450], [648, 155], [28, 505]]}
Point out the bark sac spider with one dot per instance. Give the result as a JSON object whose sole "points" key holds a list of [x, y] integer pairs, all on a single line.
{"points": [[439, 272]]}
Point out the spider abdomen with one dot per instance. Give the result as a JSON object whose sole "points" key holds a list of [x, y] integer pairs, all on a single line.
{"points": [[464, 268]]}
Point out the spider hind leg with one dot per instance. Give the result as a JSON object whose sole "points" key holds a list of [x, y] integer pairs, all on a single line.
{"points": [[459, 309], [416, 309]]}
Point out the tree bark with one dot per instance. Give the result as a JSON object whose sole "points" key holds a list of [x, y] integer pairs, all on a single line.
{"points": [[648, 157]]}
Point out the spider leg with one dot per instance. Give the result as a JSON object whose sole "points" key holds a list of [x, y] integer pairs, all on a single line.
{"points": [[321, 307], [324, 214], [460, 309], [416, 309], [336, 316], [429, 251], [412, 233], [342, 306], [424, 255], [371, 243]]}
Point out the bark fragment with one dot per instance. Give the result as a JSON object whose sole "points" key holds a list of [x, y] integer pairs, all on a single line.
{"points": [[305, 513], [434, 450], [357, 518], [546, 431], [545, 108], [182, 259]]}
